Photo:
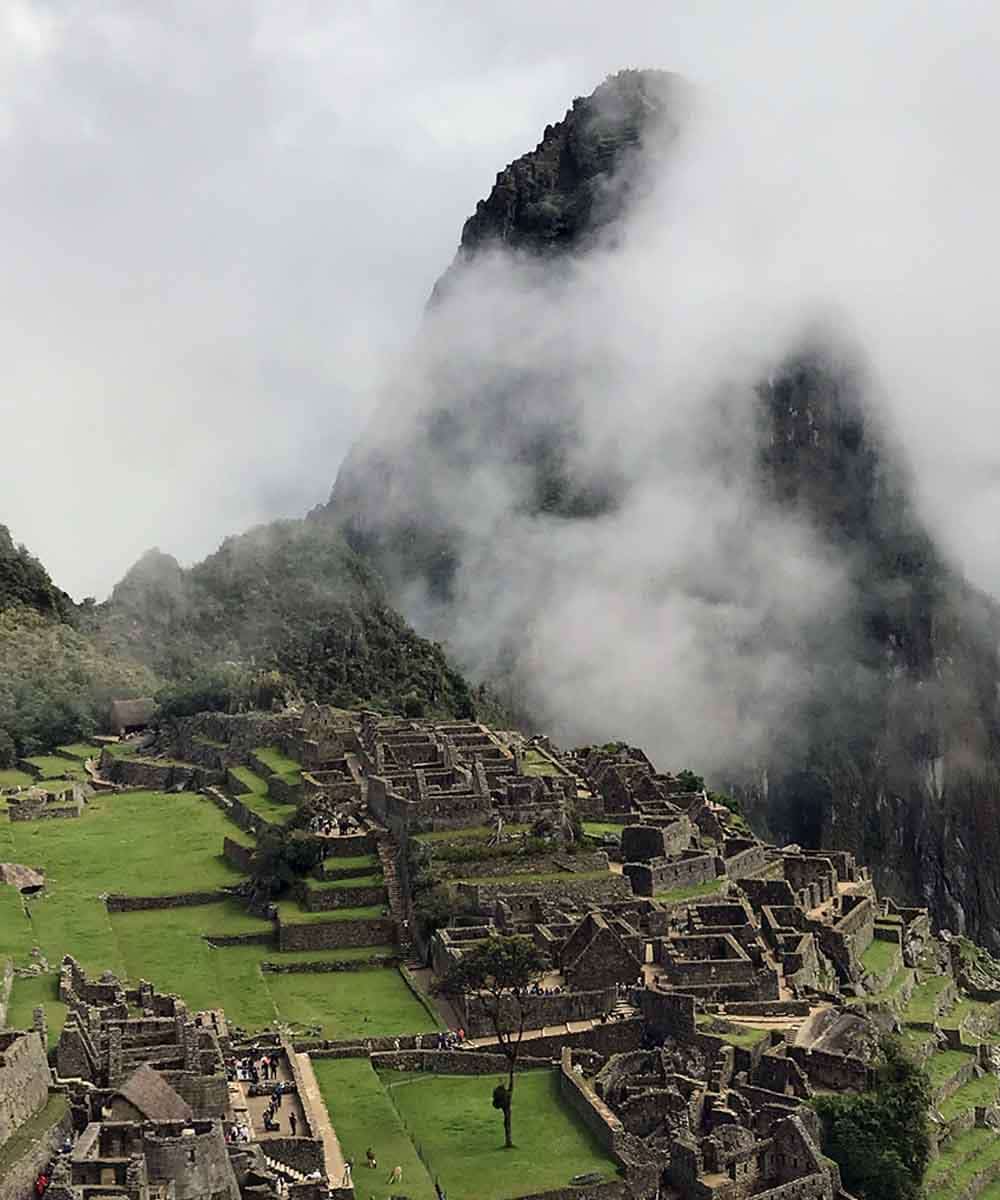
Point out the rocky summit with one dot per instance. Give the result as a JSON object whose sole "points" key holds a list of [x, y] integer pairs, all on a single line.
{"points": [[891, 748]]}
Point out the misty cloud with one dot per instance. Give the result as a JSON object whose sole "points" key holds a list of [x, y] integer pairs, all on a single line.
{"points": [[222, 222]]}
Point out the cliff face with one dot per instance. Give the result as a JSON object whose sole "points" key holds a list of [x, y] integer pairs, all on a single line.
{"points": [[892, 747]]}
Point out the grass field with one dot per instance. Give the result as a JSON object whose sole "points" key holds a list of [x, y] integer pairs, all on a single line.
{"points": [[922, 1002], [535, 763], [708, 888], [351, 1004], [15, 779], [474, 833], [602, 829], [291, 913], [363, 1115], [459, 1134]]}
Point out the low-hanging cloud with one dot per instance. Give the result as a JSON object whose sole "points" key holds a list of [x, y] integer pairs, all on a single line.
{"points": [[694, 615]]}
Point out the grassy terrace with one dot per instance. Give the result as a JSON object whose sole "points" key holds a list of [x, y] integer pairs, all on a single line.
{"points": [[881, 957], [601, 829], [15, 779], [351, 1004], [39, 1125], [735, 1035], [353, 863], [977, 1093], [52, 766], [257, 798], [966, 1156], [944, 1065], [278, 763], [80, 750], [290, 913], [922, 1002], [535, 763], [30, 991], [708, 888], [334, 885]]}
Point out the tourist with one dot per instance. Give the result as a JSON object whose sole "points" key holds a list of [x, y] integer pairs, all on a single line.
{"points": [[439, 1191], [348, 1168], [292, 1123], [396, 1175], [370, 1158]]}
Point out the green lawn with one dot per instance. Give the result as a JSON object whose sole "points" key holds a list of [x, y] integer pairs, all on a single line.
{"points": [[15, 779], [458, 1133], [51, 766], [16, 936], [351, 1004], [80, 750], [353, 863], [29, 992], [736, 1035], [600, 829], [140, 843], [257, 785], [363, 1115], [695, 892], [880, 957]]}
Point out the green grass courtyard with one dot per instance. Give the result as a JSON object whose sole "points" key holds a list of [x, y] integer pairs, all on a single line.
{"points": [[444, 1127]]}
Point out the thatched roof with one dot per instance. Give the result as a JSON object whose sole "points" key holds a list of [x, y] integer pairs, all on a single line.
{"points": [[128, 713], [147, 1091]]}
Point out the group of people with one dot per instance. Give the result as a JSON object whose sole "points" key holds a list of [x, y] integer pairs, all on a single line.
{"points": [[446, 1039], [395, 1175], [271, 1124], [536, 989], [249, 1069], [332, 826]]}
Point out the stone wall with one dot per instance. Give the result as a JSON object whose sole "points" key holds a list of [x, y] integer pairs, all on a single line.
{"points": [[6, 986], [605, 1127], [208, 1095], [24, 1080], [317, 899], [117, 903], [332, 935], [352, 846], [833, 1071], [614, 1037], [325, 966], [483, 897], [665, 875], [238, 854], [541, 1011], [451, 1062]]}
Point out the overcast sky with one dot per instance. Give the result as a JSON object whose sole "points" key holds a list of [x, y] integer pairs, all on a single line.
{"points": [[220, 223]]}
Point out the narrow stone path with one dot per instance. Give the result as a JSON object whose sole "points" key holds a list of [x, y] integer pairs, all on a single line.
{"points": [[312, 1101]]}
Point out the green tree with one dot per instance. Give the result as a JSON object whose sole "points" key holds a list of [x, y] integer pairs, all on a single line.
{"points": [[498, 973], [8, 751], [283, 856], [880, 1139]]}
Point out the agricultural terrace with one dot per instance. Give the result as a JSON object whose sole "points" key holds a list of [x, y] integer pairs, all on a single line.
{"points": [[154, 844]]}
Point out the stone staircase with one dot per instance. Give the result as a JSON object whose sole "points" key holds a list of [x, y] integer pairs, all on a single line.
{"points": [[387, 849], [289, 1173], [623, 1010]]}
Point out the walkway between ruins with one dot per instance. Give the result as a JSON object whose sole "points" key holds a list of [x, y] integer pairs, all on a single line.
{"points": [[312, 1101]]}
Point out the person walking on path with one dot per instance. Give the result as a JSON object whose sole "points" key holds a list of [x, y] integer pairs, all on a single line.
{"points": [[396, 1175], [292, 1123], [348, 1168]]}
